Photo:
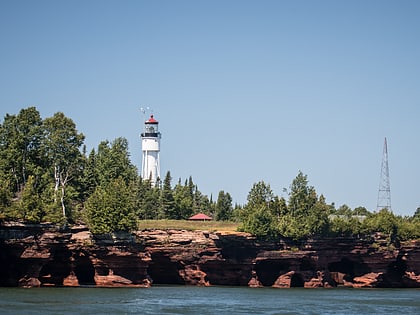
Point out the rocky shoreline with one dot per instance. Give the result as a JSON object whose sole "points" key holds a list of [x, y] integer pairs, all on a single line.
{"points": [[34, 256]]}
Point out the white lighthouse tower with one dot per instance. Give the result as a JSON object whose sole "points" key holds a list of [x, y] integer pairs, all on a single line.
{"points": [[150, 144]]}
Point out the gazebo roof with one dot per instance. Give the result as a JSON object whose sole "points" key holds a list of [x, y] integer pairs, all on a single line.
{"points": [[200, 216]]}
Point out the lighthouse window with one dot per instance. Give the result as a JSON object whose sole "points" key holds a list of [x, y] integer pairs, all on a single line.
{"points": [[150, 129]]}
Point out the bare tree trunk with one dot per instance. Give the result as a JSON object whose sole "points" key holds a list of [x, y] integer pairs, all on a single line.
{"points": [[62, 201], [57, 181], [63, 186]]}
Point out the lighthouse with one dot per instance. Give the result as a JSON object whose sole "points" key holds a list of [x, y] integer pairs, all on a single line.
{"points": [[150, 144]]}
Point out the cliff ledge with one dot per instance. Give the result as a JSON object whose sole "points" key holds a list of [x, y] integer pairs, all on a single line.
{"points": [[32, 256]]}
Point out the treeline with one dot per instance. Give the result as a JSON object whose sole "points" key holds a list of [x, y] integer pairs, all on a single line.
{"points": [[305, 214], [46, 175]]}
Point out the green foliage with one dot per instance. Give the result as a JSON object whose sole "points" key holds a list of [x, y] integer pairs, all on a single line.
{"points": [[90, 178], [111, 208], [30, 205], [203, 204], [62, 147], [21, 152], [408, 229], [184, 201], [62, 141], [292, 227], [345, 226], [260, 194], [396, 228], [223, 208], [5, 197], [301, 197], [304, 216], [416, 215], [307, 214], [47, 151], [188, 199], [360, 211], [258, 216], [279, 207], [260, 222], [317, 218], [167, 200], [113, 161], [344, 210], [148, 205], [384, 221], [44, 177]]}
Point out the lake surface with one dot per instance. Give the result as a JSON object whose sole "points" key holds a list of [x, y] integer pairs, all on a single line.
{"points": [[208, 300]]}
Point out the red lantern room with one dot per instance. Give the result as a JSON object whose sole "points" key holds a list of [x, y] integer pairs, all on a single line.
{"points": [[151, 127]]}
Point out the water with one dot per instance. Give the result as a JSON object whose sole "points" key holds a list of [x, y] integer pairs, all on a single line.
{"points": [[208, 300]]}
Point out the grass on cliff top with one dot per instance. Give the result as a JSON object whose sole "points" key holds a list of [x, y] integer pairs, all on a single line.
{"points": [[212, 226]]}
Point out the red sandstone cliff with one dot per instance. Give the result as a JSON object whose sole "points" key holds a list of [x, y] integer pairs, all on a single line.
{"points": [[39, 256]]}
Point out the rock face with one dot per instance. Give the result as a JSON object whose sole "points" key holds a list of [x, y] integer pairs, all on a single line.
{"points": [[42, 256]]}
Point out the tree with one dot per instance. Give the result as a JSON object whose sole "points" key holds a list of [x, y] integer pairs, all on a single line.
{"points": [[360, 211], [113, 161], [62, 146], [318, 221], [416, 215], [290, 226], [30, 205], [90, 176], [307, 214], [257, 216], [20, 142], [344, 210], [223, 207], [260, 194], [237, 213], [278, 207], [183, 195], [202, 203], [260, 223], [147, 200], [5, 197], [168, 206], [111, 208], [384, 221], [408, 228], [301, 197]]}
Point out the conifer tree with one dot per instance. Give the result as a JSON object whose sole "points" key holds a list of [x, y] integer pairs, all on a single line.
{"points": [[167, 199], [257, 215], [223, 207], [113, 160], [90, 176], [111, 208], [183, 195], [30, 205]]}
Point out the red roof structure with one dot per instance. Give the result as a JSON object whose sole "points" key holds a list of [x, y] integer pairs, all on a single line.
{"points": [[151, 120], [200, 217]]}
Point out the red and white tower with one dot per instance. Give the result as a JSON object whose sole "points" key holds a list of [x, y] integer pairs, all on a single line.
{"points": [[150, 144]]}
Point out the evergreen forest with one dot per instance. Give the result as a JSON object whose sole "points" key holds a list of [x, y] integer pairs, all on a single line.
{"points": [[46, 175]]}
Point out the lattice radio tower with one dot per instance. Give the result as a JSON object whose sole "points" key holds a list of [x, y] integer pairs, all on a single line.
{"points": [[384, 193]]}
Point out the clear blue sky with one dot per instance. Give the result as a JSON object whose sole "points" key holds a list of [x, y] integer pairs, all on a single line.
{"points": [[244, 90]]}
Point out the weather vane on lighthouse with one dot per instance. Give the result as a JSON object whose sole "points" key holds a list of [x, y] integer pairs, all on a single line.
{"points": [[150, 144]]}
